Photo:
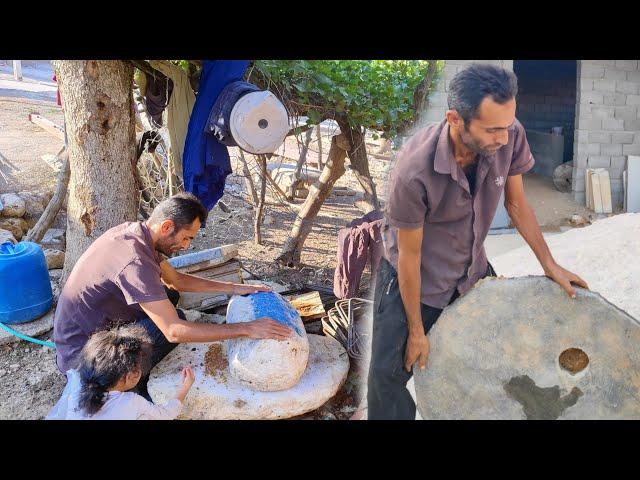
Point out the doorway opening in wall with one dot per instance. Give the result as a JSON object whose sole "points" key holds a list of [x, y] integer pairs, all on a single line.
{"points": [[546, 107]]}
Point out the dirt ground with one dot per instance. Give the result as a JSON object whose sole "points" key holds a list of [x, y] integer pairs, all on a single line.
{"points": [[29, 381]]}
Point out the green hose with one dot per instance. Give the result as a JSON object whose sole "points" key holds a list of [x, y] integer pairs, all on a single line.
{"points": [[26, 337]]}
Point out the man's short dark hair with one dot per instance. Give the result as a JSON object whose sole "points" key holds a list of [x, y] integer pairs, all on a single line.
{"points": [[471, 85], [183, 208]]}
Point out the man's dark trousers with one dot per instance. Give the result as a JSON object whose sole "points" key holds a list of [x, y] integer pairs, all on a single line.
{"points": [[387, 396]]}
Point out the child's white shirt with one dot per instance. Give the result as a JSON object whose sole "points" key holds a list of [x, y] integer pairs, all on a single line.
{"points": [[117, 406]]}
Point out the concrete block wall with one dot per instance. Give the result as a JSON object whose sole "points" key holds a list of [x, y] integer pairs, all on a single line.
{"points": [[607, 124]]}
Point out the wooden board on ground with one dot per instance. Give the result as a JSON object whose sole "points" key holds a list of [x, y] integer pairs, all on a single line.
{"points": [[605, 191], [308, 305], [633, 183], [595, 190], [47, 125], [227, 272], [588, 189], [221, 255]]}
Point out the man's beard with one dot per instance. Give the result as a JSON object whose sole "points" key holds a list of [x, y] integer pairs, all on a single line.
{"points": [[469, 142], [167, 246]]}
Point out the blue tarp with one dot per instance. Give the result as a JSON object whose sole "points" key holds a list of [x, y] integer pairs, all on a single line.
{"points": [[205, 163]]}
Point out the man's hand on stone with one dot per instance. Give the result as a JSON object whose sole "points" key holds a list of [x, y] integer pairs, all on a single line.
{"points": [[268, 328], [565, 278], [417, 351]]}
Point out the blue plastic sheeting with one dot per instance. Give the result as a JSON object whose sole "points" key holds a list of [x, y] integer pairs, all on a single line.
{"points": [[205, 163], [273, 305]]}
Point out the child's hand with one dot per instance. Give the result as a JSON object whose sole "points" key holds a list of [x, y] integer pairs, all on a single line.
{"points": [[187, 378]]}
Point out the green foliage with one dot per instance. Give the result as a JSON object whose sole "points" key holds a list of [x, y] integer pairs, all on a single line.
{"points": [[375, 94]]}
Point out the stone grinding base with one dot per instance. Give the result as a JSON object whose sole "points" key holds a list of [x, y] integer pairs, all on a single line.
{"points": [[508, 348], [218, 396]]}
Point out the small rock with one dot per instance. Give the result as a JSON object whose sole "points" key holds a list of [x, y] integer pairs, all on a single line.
{"points": [[55, 274], [54, 238], [14, 206], [268, 220], [14, 366], [55, 258], [17, 226], [578, 220], [6, 236], [35, 205], [192, 315]]}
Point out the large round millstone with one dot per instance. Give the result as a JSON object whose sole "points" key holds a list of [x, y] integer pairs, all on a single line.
{"points": [[217, 395], [521, 348]]}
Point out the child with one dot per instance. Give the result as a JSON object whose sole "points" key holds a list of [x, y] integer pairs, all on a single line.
{"points": [[111, 363]]}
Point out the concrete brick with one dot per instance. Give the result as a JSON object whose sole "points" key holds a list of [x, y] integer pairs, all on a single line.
{"points": [[577, 183], [612, 124], [592, 149], [631, 149], [627, 65], [604, 85], [626, 112], [632, 125], [618, 162], [599, 161], [438, 99], [603, 112], [611, 149], [622, 137], [628, 87], [588, 70], [593, 98], [580, 160], [590, 123], [543, 107], [599, 137], [614, 74], [633, 76], [615, 99], [633, 99], [579, 196]]}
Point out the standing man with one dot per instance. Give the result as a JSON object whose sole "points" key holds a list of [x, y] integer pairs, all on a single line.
{"points": [[122, 277], [443, 195]]}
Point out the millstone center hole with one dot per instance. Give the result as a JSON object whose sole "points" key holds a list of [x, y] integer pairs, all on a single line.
{"points": [[573, 360], [262, 123]]}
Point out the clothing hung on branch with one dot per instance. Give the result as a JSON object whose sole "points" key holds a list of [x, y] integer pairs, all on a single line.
{"points": [[206, 162]]}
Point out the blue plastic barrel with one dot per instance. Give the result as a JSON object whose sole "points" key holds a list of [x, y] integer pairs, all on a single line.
{"points": [[25, 289]]}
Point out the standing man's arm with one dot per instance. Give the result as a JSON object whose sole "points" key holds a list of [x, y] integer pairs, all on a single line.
{"points": [[409, 282], [525, 221]]}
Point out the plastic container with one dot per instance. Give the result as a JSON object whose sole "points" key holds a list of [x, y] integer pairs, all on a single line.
{"points": [[25, 289]]}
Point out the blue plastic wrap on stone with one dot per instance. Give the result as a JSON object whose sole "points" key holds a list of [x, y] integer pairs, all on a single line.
{"points": [[273, 305]]}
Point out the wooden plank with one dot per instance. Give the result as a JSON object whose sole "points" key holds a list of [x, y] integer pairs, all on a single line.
{"points": [[588, 188], [47, 125], [308, 305], [624, 189], [633, 183], [605, 191], [17, 70], [595, 190], [228, 272], [204, 259]]}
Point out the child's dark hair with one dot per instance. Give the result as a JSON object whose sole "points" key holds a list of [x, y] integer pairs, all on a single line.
{"points": [[107, 357]]}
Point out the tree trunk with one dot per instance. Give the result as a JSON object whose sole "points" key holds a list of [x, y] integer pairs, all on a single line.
{"points": [[291, 191], [332, 171], [99, 117], [248, 181], [257, 238], [53, 207], [360, 163], [319, 135]]}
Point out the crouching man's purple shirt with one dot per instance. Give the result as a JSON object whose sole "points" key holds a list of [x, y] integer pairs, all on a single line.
{"points": [[428, 189], [118, 271]]}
